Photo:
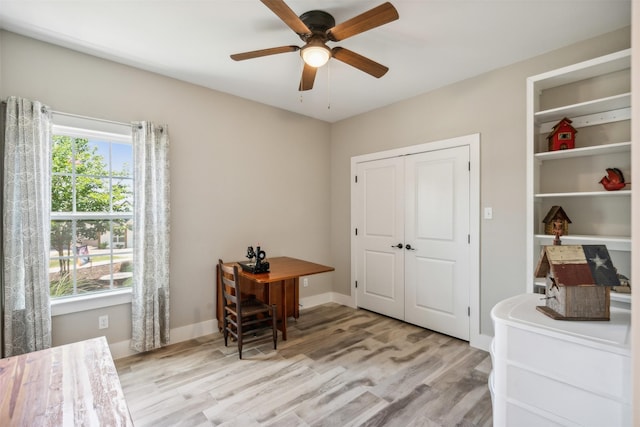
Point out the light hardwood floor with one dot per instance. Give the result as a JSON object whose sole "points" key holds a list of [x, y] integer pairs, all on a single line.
{"points": [[339, 367]]}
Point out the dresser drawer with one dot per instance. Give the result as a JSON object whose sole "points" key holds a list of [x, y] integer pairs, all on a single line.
{"points": [[580, 406], [530, 417], [584, 367]]}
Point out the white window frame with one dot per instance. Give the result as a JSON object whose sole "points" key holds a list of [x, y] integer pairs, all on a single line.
{"points": [[79, 126]]}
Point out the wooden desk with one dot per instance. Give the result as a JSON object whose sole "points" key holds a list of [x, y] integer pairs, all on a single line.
{"points": [[279, 286], [72, 385]]}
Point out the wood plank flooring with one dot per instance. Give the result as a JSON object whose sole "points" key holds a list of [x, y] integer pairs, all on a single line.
{"points": [[339, 367]]}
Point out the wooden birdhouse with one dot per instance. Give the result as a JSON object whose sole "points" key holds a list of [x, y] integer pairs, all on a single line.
{"points": [[556, 217], [562, 136], [578, 281]]}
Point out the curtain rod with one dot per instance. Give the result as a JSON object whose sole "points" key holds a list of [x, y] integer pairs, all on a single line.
{"points": [[90, 118], [62, 113], [139, 126]]}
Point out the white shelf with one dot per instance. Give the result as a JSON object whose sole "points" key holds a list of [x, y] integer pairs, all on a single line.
{"points": [[620, 297], [614, 243], [597, 150], [611, 103], [619, 193], [611, 63]]}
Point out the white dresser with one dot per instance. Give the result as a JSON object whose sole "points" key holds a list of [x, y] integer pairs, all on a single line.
{"points": [[559, 373]]}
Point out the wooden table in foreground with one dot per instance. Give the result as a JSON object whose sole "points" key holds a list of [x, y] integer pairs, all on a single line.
{"points": [[71, 385], [279, 286]]}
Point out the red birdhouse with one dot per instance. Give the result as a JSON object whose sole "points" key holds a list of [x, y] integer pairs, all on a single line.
{"points": [[562, 136]]}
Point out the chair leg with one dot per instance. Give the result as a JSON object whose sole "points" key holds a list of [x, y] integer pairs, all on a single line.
{"points": [[274, 326], [239, 332], [225, 330]]}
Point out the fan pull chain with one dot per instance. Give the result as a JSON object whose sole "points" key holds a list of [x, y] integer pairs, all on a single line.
{"points": [[329, 86], [301, 99]]}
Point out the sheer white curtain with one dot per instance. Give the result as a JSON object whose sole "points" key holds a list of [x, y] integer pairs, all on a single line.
{"points": [[26, 227], [150, 304]]}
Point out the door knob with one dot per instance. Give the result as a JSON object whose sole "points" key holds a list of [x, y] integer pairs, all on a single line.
{"points": [[399, 246], [409, 248]]}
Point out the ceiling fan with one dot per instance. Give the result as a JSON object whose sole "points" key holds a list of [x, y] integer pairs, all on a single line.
{"points": [[316, 28]]}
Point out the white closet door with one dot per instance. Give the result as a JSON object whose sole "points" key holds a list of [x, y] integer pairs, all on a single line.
{"points": [[437, 255], [380, 264]]}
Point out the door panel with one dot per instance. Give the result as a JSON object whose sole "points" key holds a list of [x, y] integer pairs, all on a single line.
{"points": [[380, 265], [431, 295], [380, 182], [379, 269], [437, 228], [434, 191]]}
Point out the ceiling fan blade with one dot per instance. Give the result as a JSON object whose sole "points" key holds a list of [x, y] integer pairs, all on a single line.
{"points": [[263, 52], [308, 76], [287, 16], [373, 18], [360, 62]]}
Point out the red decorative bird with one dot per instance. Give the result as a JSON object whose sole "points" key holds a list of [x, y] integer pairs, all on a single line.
{"points": [[614, 180]]}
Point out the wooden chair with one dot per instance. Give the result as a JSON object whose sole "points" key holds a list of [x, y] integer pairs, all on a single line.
{"points": [[243, 316]]}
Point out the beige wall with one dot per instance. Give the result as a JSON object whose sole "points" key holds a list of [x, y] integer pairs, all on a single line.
{"points": [[290, 193], [492, 104], [271, 166]]}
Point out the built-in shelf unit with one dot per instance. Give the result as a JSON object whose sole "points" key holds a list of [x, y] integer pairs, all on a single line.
{"points": [[595, 96]]}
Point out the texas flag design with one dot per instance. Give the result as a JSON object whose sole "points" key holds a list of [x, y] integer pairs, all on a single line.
{"points": [[573, 265]]}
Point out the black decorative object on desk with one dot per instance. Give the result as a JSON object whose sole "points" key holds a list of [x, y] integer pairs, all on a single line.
{"points": [[257, 266]]}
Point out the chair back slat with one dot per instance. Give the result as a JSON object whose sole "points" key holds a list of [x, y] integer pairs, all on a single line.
{"points": [[229, 281]]}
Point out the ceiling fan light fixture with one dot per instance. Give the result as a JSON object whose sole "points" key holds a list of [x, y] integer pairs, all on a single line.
{"points": [[315, 54]]}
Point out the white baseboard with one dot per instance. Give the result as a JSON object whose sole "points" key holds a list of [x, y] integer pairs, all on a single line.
{"points": [[122, 349], [195, 330], [483, 342], [343, 299], [182, 333], [319, 299]]}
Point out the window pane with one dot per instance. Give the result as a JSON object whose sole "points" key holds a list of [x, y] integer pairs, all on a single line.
{"points": [[122, 193], [106, 263], [123, 234], [89, 269], [99, 260], [123, 270], [60, 281], [92, 157], [61, 272], [103, 272], [121, 159], [61, 193], [92, 194], [61, 154], [61, 237]]}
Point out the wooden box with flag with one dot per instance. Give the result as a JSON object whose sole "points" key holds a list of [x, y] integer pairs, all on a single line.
{"points": [[579, 279]]}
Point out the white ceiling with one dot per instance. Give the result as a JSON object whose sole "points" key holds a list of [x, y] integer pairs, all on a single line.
{"points": [[434, 43]]}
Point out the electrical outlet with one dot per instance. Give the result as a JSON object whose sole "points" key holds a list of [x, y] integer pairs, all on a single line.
{"points": [[103, 322], [305, 282]]}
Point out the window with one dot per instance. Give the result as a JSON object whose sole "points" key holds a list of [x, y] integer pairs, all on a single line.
{"points": [[91, 209]]}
